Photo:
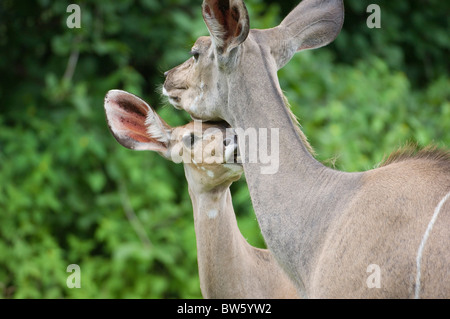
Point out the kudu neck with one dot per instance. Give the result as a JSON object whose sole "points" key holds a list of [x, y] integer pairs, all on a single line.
{"points": [[256, 103], [303, 196], [220, 245]]}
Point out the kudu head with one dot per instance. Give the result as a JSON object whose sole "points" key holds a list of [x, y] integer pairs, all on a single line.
{"points": [[235, 59], [208, 150]]}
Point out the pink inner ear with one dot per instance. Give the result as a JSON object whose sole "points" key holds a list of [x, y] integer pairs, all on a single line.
{"points": [[220, 16], [128, 118], [135, 126]]}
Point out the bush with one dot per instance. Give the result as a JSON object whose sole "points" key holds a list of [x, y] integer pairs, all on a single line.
{"points": [[356, 115]]}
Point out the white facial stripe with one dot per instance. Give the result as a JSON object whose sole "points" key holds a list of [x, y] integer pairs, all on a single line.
{"points": [[423, 242]]}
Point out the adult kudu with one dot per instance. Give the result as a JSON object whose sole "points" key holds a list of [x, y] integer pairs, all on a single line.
{"points": [[325, 227]]}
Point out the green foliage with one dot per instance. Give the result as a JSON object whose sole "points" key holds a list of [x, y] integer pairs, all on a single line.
{"points": [[356, 115], [70, 194], [413, 37]]}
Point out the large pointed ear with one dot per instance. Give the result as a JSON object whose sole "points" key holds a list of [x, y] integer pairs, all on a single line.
{"points": [[311, 25], [228, 23], [134, 123]]}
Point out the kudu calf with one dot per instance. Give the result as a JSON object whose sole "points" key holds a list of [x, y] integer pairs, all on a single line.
{"points": [[325, 227], [228, 266]]}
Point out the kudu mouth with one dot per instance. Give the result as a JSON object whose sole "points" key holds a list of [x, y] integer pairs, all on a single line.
{"points": [[174, 99], [172, 90]]}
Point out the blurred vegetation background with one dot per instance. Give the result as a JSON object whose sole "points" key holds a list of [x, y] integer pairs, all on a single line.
{"points": [[70, 194]]}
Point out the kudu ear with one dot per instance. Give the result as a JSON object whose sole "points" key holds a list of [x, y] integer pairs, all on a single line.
{"points": [[228, 23], [134, 123], [311, 25]]}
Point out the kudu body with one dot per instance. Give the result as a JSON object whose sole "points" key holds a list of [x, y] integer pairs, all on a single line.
{"points": [[325, 227], [229, 267]]}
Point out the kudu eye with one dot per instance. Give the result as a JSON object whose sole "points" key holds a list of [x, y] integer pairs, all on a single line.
{"points": [[195, 54]]}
